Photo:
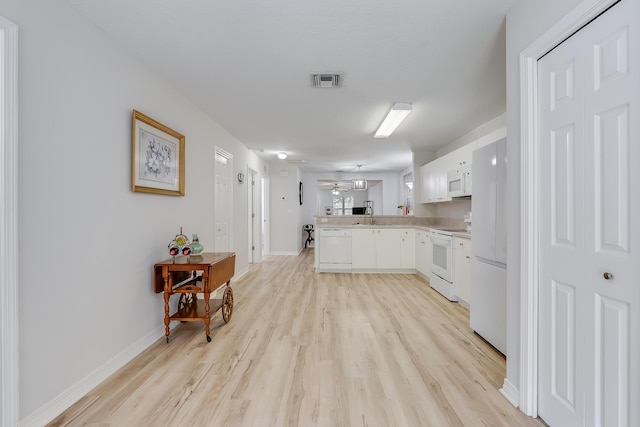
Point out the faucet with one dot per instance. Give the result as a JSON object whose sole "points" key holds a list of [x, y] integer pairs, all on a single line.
{"points": [[371, 216]]}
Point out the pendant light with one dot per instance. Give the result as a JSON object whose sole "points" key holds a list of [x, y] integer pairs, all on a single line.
{"points": [[359, 183]]}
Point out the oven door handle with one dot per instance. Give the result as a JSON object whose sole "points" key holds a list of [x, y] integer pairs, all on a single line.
{"points": [[440, 241]]}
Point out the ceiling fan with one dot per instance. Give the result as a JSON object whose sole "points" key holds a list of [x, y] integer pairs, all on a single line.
{"points": [[336, 187]]}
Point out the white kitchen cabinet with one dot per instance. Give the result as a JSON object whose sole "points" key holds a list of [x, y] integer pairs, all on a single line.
{"points": [[462, 270], [434, 181], [434, 174], [382, 249], [388, 249], [363, 248], [423, 253], [462, 156], [407, 249], [428, 174]]}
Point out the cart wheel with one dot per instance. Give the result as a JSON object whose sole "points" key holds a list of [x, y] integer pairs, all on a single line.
{"points": [[227, 304], [208, 338]]}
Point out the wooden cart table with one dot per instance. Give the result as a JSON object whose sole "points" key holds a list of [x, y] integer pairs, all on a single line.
{"points": [[179, 275]]}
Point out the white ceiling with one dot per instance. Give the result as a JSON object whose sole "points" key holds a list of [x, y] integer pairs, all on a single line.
{"points": [[247, 63]]}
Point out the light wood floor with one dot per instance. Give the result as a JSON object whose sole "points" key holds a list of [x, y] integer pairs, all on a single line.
{"points": [[307, 349]]}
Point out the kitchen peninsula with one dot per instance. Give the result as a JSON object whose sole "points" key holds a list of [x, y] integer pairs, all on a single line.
{"points": [[437, 249], [393, 235]]}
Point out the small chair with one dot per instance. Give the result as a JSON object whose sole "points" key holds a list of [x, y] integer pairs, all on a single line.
{"points": [[309, 229]]}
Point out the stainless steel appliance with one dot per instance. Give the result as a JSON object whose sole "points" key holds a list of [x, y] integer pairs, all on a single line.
{"points": [[488, 311], [442, 264]]}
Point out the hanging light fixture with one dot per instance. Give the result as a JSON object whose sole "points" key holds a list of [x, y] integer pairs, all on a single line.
{"points": [[359, 183], [335, 191]]}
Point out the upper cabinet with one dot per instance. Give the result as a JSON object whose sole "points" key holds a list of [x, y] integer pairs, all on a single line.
{"points": [[434, 174], [462, 156], [434, 182]]}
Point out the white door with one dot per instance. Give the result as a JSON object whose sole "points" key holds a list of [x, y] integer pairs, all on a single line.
{"points": [[254, 218], [589, 270], [223, 201]]}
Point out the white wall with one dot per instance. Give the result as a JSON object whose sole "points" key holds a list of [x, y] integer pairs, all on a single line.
{"points": [[526, 21], [386, 195], [285, 211], [87, 243], [491, 126]]}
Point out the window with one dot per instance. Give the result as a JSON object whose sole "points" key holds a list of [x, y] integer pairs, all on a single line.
{"points": [[342, 205]]}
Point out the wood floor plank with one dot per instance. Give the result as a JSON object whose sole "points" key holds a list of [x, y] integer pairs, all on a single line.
{"points": [[309, 349]]}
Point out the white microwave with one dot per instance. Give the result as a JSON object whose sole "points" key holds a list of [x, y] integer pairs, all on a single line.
{"points": [[459, 182]]}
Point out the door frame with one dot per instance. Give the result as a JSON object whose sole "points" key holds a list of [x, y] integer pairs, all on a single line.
{"points": [[9, 394], [229, 203], [529, 185], [254, 216]]}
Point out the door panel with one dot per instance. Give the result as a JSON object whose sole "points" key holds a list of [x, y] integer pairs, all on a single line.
{"points": [[563, 186], [612, 362], [563, 350], [611, 181], [560, 382], [612, 132], [589, 295]]}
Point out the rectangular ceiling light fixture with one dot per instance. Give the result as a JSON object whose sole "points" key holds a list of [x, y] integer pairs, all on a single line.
{"points": [[399, 111]]}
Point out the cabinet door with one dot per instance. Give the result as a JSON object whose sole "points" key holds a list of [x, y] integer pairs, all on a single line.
{"points": [[363, 248], [407, 249], [425, 177], [439, 180], [462, 156], [421, 251], [462, 268], [388, 249], [429, 255]]}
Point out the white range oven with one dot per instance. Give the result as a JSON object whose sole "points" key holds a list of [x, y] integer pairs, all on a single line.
{"points": [[442, 264]]}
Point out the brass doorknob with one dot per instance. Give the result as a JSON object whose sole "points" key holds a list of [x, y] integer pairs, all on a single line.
{"points": [[607, 276]]}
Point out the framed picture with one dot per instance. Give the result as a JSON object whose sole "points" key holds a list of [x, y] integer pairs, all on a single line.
{"points": [[157, 157]]}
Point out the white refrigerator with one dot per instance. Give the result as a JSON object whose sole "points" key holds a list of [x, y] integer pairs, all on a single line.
{"points": [[489, 244]]}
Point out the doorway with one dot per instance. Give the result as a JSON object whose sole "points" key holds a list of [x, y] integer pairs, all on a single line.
{"points": [[578, 324]]}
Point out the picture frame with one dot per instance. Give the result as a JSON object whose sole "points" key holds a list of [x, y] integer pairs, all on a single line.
{"points": [[157, 157]]}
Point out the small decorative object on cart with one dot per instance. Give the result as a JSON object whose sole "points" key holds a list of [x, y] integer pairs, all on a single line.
{"points": [[196, 246], [180, 245]]}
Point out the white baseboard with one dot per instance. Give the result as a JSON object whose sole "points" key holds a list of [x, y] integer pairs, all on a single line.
{"points": [[50, 410], [509, 391]]}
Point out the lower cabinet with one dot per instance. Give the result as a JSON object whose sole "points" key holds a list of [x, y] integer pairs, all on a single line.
{"points": [[363, 248], [462, 270], [423, 253], [382, 249]]}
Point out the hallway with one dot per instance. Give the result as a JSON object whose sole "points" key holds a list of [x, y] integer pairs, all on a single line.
{"points": [[306, 349]]}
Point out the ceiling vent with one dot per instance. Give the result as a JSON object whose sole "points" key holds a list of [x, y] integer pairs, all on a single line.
{"points": [[326, 80]]}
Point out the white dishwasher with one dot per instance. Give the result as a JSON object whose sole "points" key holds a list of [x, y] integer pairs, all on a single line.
{"points": [[334, 249]]}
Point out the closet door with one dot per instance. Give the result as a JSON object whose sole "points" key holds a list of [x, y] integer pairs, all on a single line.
{"points": [[589, 91]]}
